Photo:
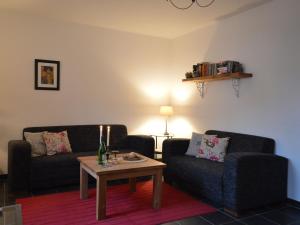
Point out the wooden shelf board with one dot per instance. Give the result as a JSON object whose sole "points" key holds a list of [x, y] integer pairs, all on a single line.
{"points": [[225, 76]]}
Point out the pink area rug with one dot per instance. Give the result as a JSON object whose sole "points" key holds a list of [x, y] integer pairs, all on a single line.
{"points": [[123, 207]]}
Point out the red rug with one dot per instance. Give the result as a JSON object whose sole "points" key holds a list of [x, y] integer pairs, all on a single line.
{"points": [[123, 207]]}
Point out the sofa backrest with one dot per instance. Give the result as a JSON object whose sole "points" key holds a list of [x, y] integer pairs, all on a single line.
{"points": [[84, 138], [245, 142]]}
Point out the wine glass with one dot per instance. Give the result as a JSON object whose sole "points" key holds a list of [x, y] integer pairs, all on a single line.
{"points": [[115, 159], [108, 153]]}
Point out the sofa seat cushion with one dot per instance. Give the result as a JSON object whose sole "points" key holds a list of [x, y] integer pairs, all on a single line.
{"points": [[204, 175], [56, 170]]}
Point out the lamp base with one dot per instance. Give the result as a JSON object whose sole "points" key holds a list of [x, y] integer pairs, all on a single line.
{"points": [[166, 133]]}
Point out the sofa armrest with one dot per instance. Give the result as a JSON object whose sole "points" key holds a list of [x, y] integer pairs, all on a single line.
{"points": [[142, 144], [19, 165], [174, 146], [254, 179]]}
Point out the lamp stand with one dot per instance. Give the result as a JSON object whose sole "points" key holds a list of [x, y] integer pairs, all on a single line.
{"points": [[166, 131]]}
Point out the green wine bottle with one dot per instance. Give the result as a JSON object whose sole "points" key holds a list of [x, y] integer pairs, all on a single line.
{"points": [[102, 154]]}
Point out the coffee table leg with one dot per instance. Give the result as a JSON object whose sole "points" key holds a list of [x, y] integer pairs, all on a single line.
{"points": [[101, 198], [132, 184], [83, 183], [157, 181]]}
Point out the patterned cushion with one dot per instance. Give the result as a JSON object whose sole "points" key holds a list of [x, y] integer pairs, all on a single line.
{"points": [[57, 142], [38, 147], [213, 148], [195, 144]]}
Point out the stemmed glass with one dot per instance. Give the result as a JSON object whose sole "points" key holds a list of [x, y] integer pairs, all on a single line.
{"points": [[109, 153], [115, 159]]}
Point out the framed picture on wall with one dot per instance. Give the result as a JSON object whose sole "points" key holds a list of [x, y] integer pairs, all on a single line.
{"points": [[46, 74]]}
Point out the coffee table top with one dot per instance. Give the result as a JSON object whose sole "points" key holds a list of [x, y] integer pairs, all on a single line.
{"points": [[91, 163]]}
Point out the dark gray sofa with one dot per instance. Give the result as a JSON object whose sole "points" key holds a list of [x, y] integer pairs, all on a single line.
{"points": [[26, 173], [251, 175]]}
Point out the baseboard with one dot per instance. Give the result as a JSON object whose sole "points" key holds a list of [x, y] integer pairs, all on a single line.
{"points": [[3, 176], [294, 202]]}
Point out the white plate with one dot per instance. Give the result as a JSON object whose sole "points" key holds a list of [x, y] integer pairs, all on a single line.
{"points": [[135, 161]]}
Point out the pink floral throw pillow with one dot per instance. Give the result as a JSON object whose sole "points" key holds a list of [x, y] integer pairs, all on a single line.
{"points": [[213, 148], [57, 142]]}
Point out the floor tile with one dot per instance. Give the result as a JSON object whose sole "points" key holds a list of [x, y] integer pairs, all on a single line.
{"points": [[218, 218], [234, 223], [170, 223], [257, 220], [278, 217], [292, 212], [297, 223], [193, 221], [261, 210], [294, 203], [241, 216], [278, 205]]}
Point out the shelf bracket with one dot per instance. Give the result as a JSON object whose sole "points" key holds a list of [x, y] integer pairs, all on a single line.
{"points": [[236, 86], [201, 86]]}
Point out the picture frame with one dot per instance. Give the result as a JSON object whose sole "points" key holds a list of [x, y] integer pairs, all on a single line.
{"points": [[47, 74]]}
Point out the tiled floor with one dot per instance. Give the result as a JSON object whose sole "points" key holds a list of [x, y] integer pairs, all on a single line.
{"points": [[287, 213], [284, 214]]}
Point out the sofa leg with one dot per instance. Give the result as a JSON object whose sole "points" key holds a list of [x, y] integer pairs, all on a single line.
{"points": [[232, 212]]}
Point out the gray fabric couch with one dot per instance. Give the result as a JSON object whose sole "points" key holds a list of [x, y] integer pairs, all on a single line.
{"points": [[26, 173], [251, 175]]}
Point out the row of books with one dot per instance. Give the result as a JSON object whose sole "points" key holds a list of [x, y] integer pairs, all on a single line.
{"points": [[208, 69]]}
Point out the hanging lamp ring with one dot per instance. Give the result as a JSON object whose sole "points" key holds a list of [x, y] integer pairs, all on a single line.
{"points": [[206, 5], [192, 2], [183, 8]]}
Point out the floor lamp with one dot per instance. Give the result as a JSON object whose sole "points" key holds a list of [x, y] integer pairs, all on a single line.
{"points": [[166, 111]]}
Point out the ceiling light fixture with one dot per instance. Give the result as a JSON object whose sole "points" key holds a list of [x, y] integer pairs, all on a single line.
{"points": [[190, 4]]}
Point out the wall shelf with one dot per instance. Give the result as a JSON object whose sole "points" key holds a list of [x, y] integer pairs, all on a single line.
{"points": [[235, 77], [225, 76]]}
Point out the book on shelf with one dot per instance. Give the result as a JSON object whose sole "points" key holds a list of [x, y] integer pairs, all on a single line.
{"points": [[229, 66], [214, 69]]}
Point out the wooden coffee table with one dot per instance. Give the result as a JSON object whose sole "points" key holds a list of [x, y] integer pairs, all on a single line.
{"points": [[124, 169]]}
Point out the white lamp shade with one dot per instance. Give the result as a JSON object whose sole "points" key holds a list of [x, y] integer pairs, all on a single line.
{"points": [[166, 110]]}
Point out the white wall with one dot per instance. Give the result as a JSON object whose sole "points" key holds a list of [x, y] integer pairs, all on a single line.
{"points": [[106, 76], [117, 77], [266, 40]]}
